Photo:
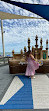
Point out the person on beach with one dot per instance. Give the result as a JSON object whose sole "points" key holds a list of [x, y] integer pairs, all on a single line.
{"points": [[32, 65]]}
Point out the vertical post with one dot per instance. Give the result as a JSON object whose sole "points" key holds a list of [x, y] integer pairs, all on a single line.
{"points": [[47, 49], [33, 50], [36, 46], [13, 53], [28, 44], [36, 39], [36, 54], [41, 54], [25, 50], [21, 52], [2, 38]]}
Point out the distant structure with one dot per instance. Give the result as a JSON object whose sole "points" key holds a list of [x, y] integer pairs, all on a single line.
{"points": [[38, 53]]}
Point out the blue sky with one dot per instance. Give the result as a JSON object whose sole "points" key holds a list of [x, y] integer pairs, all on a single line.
{"points": [[18, 31]]}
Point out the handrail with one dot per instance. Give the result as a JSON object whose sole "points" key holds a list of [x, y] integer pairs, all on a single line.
{"points": [[4, 60]]}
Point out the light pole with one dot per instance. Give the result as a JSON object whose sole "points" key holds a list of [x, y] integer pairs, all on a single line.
{"points": [[2, 38]]}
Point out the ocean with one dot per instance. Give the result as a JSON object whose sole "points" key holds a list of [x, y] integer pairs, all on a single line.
{"points": [[10, 53]]}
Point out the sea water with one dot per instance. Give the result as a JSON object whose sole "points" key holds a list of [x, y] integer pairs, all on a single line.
{"points": [[8, 53]]}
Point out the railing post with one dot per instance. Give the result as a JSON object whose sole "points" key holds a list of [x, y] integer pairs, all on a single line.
{"points": [[2, 38]]}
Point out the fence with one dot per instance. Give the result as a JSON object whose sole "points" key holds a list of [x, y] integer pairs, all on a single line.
{"points": [[4, 60]]}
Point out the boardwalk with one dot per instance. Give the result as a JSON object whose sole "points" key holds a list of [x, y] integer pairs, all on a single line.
{"points": [[20, 92]]}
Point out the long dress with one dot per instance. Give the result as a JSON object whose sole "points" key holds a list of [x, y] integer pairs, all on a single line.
{"points": [[31, 67]]}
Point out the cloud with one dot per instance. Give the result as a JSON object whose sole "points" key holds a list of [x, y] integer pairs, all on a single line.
{"points": [[18, 31], [16, 37]]}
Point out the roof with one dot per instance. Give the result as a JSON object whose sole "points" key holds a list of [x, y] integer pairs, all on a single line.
{"points": [[41, 10], [4, 15]]}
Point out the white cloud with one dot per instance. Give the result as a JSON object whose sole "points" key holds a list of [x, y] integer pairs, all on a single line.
{"points": [[16, 36]]}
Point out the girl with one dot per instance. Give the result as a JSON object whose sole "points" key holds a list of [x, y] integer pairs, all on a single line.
{"points": [[32, 65]]}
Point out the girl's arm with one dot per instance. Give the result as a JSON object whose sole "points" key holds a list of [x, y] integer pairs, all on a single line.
{"points": [[32, 57]]}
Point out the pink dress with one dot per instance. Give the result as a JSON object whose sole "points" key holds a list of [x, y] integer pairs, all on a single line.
{"points": [[31, 67]]}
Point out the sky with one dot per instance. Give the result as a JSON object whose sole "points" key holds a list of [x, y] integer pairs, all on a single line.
{"points": [[17, 31]]}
